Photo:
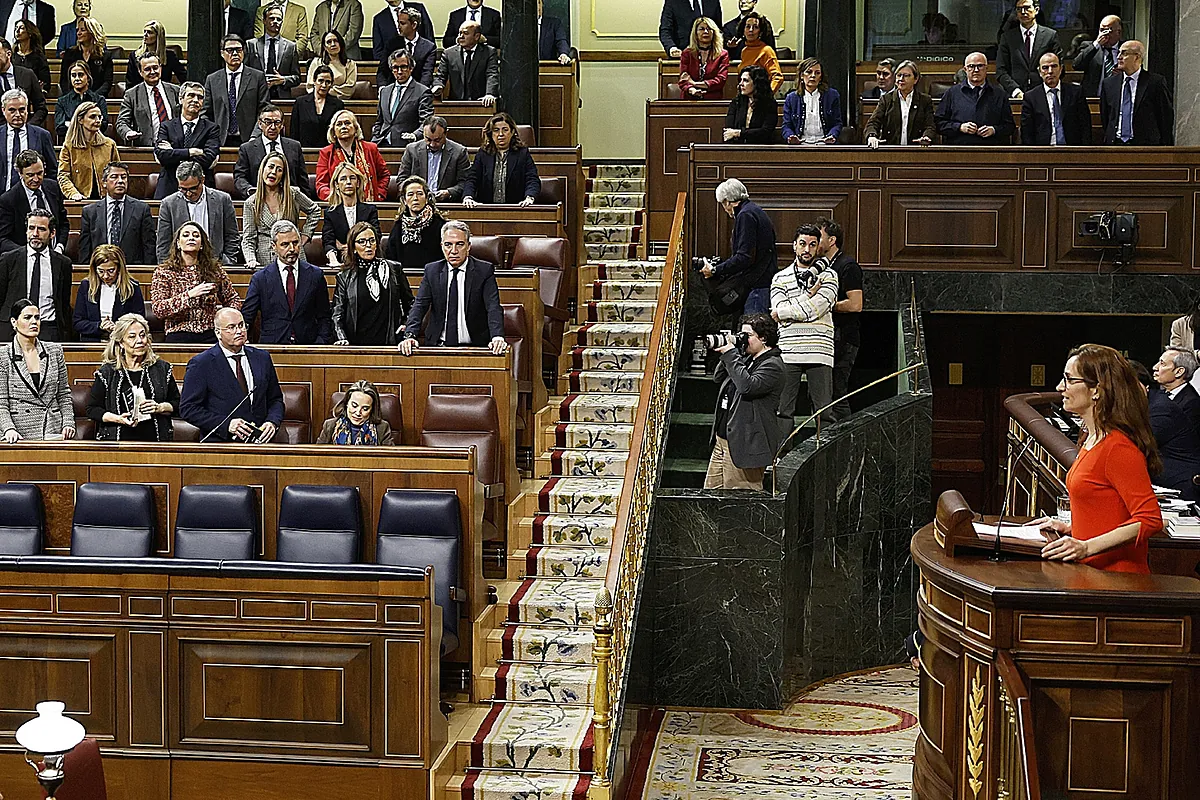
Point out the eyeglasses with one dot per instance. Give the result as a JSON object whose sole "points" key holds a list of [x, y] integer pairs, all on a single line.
{"points": [[974, 67], [372, 240], [400, 67], [234, 326], [1070, 380], [271, 123], [233, 51]]}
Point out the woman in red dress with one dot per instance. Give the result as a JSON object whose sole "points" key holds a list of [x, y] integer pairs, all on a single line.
{"points": [[1113, 509]]}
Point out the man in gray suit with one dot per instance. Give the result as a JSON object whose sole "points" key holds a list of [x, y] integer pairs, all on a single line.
{"points": [[195, 202], [235, 107], [147, 105], [345, 17], [404, 106], [118, 219], [470, 70], [442, 163], [275, 56]]}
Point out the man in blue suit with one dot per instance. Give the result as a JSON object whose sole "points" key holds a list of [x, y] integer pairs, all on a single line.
{"points": [[186, 137], [553, 44], [291, 294], [230, 391], [28, 137]]}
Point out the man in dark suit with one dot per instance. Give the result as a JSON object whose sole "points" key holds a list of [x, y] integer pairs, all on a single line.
{"points": [[553, 42], [235, 111], [42, 14], [187, 137], [196, 202], [19, 136], [444, 164], [461, 297], [1098, 59], [271, 140], [675, 23], [275, 56], [974, 112], [1175, 420], [470, 70], [1021, 47], [118, 219], [291, 294], [422, 51], [40, 274], [1055, 113], [475, 11], [145, 107], [14, 77], [230, 391], [386, 28], [32, 192], [404, 106], [238, 22], [1135, 106]]}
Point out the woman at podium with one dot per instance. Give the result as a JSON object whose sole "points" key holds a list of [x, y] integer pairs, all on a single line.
{"points": [[1113, 508]]}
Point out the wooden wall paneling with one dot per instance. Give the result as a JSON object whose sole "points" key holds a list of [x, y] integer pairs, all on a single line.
{"points": [[671, 124], [58, 484], [558, 105], [968, 227], [1035, 224], [207, 778], [146, 691]]}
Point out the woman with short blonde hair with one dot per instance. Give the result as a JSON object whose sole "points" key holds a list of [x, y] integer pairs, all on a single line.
{"points": [[134, 392]]}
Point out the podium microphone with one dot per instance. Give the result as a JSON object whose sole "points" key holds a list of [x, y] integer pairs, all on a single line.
{"points": [[997, 555], [228, 416]]}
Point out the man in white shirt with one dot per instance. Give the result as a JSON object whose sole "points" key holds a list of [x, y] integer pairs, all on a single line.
{"points": [[195, 202], [19, 136], [43, 276], [1058, 113], [145, 107]]}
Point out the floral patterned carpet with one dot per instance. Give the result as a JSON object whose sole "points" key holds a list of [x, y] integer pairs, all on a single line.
{"points": [[850, 739]]}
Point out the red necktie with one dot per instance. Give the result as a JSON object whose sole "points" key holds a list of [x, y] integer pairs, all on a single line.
{"points": [[291, 288], [241, 376], [160, 105], [1029, 45]]}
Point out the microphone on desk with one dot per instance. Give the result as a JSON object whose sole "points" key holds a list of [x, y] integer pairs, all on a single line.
{"points": [[997, 555], [228, 416]]}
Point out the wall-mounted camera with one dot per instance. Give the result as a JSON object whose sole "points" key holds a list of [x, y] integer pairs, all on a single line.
{"points": [[1113, 229]]}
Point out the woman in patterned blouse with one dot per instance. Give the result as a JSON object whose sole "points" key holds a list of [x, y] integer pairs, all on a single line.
{"points": [[189, 287]]}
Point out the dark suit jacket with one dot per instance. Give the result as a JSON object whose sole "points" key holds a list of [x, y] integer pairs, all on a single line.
{"points": [[137, 231], [87, 312], [1036, 123], [383, 31], [1090, 62], [489, 25], [675, 22], [763, 123], [553, 40], [27, 80], [287, 64], [425, 54], [45, 18], [14, 205], [38, 139], [1015, 70], [830, 109], [14, 284], [416, 107], [211, 391], [240, 23], [885, 119], [484, 77], [250, 158], [957, 106], [522, 179], [252, 95], [754, 430], [1153, 114], [205, 136], [452, 172], [485, 317], [334, 228], [309, 321], [1178, 438]]}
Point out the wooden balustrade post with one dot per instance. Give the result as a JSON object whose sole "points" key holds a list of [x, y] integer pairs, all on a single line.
{"points": [[602, 705]]}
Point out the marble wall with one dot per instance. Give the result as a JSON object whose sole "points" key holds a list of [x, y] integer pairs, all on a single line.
{"points": [[1187, 62]]}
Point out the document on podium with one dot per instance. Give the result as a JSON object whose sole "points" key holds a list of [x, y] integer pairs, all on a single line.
{"points": [[1026, 533]]}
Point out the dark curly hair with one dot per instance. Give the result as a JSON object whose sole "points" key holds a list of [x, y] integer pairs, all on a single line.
{"points": [[766, 33], [763, 325], [761, 81]]}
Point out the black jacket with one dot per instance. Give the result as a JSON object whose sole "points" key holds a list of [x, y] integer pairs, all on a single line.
{"points": [[14, 285], [345, 304], [522, 181], [485, 317], [752, 253], [87, 311], [1036, 123], [112, 392], [14, 205], [763, 122], [675, 22], [489, 25], [1178, 436], [206, 136], [1090, 62], [754, 429], [1016, 70], [415, 256], [959, 104], [1153, 114], [334, 229], [553, 40]]}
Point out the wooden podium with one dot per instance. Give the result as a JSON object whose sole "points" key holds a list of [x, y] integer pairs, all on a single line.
{"points": [[1048, 679], [954, 530]]}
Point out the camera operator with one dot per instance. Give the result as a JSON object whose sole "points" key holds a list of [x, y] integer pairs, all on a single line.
{"points": [[746, 428], [752, 254]]}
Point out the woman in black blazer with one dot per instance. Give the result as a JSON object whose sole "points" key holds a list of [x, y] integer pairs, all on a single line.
{"points": [[372, 297], [416, 238], [500, 145], [105, 295], [91, 49], [154, 42], [310, 127], [753, 115], [347, 199]]}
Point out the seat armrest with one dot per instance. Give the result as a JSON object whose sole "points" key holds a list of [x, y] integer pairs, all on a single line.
{"points": [[493, 490], [557, 314], [458, 594]]}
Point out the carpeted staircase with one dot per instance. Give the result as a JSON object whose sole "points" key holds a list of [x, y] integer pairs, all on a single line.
{"points": [[536, 739]]}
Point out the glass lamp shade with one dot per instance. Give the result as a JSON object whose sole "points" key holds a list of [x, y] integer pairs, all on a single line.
{"points": [[50, 732]]}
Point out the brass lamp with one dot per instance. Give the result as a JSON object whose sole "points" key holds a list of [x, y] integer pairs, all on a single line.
{"points": [[52, 735]]}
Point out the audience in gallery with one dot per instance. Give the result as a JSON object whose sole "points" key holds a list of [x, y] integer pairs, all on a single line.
{"points": [[150, 104], [235, 111], [294, 26], [15, 76], [118, 219], [21, 134], [107, 294], [238, 21], [35, 400], [974, 112], [470, 70], [290, 293], [812, 113], [67, 35], [154, 42], [904, 116], [371, 297], [276, 56], [346, 143], [554, 44], [347, 206], [357, 419], [37, 273], [30, 52], [90, 49], [704, 65], [80, 92], [734, 41], [186, 139], [334, 55], [440, 161], [754, 114], [33, 192], [1135, 105], [415, 240], [134, 393], [39, 12], [803, 294], [271, 142], [84, 155], [885, 79], [757, 52], [1175, 420], [676, 21], [274, 199], [474, 13], [752, 260], [1098, 59], [460, 296], [1021, 49], [503, 170], [313, 113], [847, 312], [195, 202], [189, 286], [405, 105], [346, 18], [219, 382], [1055, 112]]}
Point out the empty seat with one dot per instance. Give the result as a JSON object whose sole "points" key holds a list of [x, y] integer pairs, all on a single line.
{"points": [[217, 522], [493, 249], [548, 255], [422, 529], [554, 190], [463, 420], [526, 135], [319, 525], [389, 406], [85, 427], [22, 519], [115, 520], [225, 182], [296, 427]]}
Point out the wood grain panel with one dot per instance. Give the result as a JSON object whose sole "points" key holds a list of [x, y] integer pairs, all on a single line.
{"points": [[73, 667], [146, 667]]}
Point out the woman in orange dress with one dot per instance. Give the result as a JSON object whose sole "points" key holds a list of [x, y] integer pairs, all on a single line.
{"points": [[1113, 508]]}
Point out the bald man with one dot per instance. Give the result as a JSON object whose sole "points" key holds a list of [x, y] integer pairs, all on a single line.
{"points": [[1098, 59], [1135, 106]]}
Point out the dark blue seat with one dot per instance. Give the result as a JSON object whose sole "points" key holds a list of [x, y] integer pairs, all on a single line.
{"points": [[217, 522], [113, 520], [22, 519], [319, 525], [421, 529]]}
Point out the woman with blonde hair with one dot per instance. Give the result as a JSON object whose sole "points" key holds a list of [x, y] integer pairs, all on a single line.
{"points": [[274, 199], [189, 287], [134, 393], [68, 33], [357, 419], [85, 154], [154, 43], [90, 48], [346, 143], [106, 294], [704, 65], [347, 206]]}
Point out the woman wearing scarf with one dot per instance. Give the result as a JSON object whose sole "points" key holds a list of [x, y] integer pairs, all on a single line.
{"points": [[416, 238], [357, 419], [372, 296], [346, 144]]}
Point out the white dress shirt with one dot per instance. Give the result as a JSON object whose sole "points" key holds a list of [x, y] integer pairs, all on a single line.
{"points": [[1175, 392], [814, 131], [283, 274], [45, 298], [351, 214], [1133, 81], [198, 211], [268, 142], [464, 335], [18, 13], [905, 108], [108, 298], [150, 90], [8, 148], [231, 360]]}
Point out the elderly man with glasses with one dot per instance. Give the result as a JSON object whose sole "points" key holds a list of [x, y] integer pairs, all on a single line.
{"points": [[974, 112]]}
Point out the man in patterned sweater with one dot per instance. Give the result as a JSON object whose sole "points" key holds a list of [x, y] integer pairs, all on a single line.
{"points": [[802, 298]]}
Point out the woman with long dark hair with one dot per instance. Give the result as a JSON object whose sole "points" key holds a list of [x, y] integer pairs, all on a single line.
{"points": [[372, 297], [81, 91], [754, 114], [503, 170], [753, 30], [313, 112], [333, 55], [29, 51], [189, 287], [35, 400], [134, 392]]}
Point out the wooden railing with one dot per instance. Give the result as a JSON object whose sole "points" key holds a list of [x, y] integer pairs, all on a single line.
{"points": [[1017, 770]]}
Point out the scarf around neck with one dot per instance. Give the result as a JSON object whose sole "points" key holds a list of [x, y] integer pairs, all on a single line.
{"points": [[412, 226], [346, 432]]}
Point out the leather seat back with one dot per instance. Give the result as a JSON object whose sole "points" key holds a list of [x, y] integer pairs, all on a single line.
{"points": [[516, 332], [462, 420], [224, 181], [389, 406], [22, 519], [85, 428], [84, 770], [527, 135], [217, 522], [554, 190], [115, 520], [296, 427], [319, 525], [492, 249]]}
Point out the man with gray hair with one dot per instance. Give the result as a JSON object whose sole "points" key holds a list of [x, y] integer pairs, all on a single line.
{"points": [[195, 202], [186, 137], [752, 259], [147, 105], [291, 294], [19, 136], [16, 77], [461, 297], [1175, 420], [118, 219]]}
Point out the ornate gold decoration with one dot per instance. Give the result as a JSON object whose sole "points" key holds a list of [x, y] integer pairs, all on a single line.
{"points": [[601, 710], [977, 706]]}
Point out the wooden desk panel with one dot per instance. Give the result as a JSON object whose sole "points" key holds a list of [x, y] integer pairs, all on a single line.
{"points": [[558, 104], [671, 125], [867, 107]]}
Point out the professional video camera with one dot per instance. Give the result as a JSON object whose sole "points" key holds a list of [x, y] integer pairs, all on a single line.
{"points": [[1113, 228]]}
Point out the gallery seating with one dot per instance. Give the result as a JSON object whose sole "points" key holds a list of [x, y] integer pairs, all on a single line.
{"points": [[319, 525], [22, 519], [217, 522], [113, 520]]}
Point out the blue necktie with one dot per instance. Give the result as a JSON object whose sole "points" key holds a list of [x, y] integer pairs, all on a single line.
{"points": [[233, 121], [1125, 132], [13, 175], [1056, 114]]}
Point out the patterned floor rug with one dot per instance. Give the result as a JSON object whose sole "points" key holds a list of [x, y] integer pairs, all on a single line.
{"points": [[849, 739]]}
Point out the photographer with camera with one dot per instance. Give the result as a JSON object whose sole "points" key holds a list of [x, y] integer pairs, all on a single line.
{"points": [[742, 282], [746, 430]]}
